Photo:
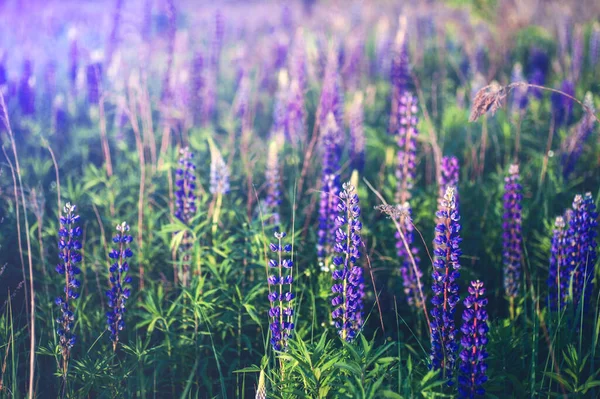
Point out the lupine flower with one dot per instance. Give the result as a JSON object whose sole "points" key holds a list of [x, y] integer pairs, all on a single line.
{"points": [[281, 312], [446, 268], [219, 174], [407, 146], [295, 113], [538, 67], [297, 61], [558, 276], [357, 134], [474, 339], [449, 175], [348, 288], [273, 198], [217, 42], [27, 89], [331, 139], [572, 147], [197, 86], [280, 104], [400, 78], [581, 248], [119, 280], [210, 97], [73, 57], [185, 205], [332, 97], [594, 51], [512, 235], [68, 247], [242, 101], [519, 93], [383, 43], [353, 66], [411, 273], [185, 197], [577, 54], [562, 106]]}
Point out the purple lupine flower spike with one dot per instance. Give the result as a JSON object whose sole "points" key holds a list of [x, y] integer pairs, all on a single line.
{"points": [[357, 134], [562, 106], [27, 89], [581, 249], [297, 61], [281, 312], [594, 51], [332, 97], [68, 247], [280, 104], [446, 268], [217, 42], [512, 235], [399, 76], [185, 206], [273, 198], [577, 54], [558, 278], [407, 146], [295, 114], [411, 273], [472, 366], [348, 288], [197, 86], [331, 139], [449, 175], [94, 78], [519, 94], [120, 283]]}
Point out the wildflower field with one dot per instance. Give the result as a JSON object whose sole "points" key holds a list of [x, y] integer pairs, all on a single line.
{"points": [[299, 199]]}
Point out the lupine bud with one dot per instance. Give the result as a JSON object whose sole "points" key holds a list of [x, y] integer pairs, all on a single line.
{"points": [[407, 146], [558, 277]]}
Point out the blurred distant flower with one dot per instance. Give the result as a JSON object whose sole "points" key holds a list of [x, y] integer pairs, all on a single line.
{"points": [[538, 66], [519, 94], [572, 146], [332, 97], [295, 114], [331, 149], [446, 268], [94, 78], [197, 86], [562, 106], [297, 62], [357, 134], [281, 312], [558, 277], [474, 339], [407, 146], [273, 198], [581, 248], [219, 173], [185, 182], [280, 104], [411, 273], [512, 253], [217, 42], [400, 78], [68, 247], [27, 89], [119, 291], [577, 54], [348, 288], [594, 51]]}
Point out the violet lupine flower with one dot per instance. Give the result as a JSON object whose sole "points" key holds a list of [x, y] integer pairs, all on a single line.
{"points": [[558, 273], [576, 54], [273, 198], [297, 61], [241, 102], [73, 58], [94, 78], [400, 79], [538, 69], [295, 114], [411, 273], [119, 280], [407, 146], [512, 235], [572, 147], [69, 247], [197, 87], [349, 287], [562, 106], [446, 268], [217, 42], [280, 104], [185, 197], [332, 97], [331, 139], [27, 89], [357, 134], [581, 248], [474, 339], [210, 97], [594, 51], [449, 175], [219, 174], [519, 94], [281, 312]]}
